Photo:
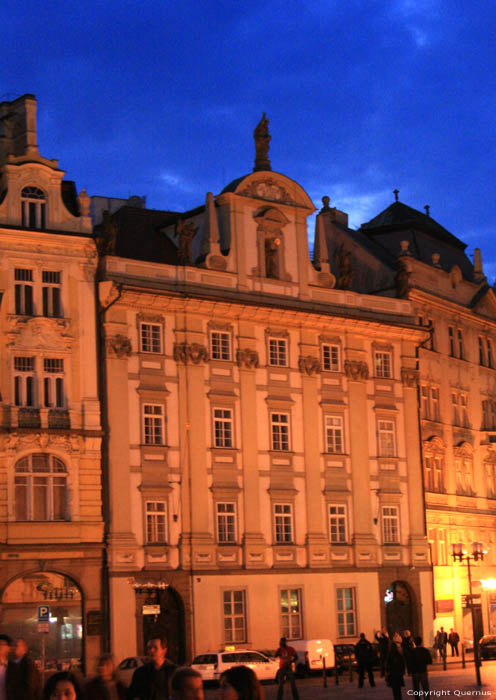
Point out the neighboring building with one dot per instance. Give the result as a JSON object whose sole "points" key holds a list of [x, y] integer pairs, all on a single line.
{"points": [[405, 252], [51, 528], [263, 458]]}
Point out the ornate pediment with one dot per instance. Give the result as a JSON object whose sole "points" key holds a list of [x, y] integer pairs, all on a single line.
{"points": [[267, 189], [39, 333], [20, 442]]}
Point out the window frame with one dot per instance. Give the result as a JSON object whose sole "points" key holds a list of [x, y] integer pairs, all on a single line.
{"points": [[383, 450], [283, 522], [54, 384], [153, 517], [334, 434], [220, 345], [346, 628], [293, 628], [328, 363], [24, 291], [34, 208], [383, 364], [390, 524], [143, 340], [223, 431], [232, 615], [25, 394], [340, 525], [277, 351], [228, 519], [43, 492], [155, 418]]}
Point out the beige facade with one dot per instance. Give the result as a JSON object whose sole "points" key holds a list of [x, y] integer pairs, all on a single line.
{"points": [[264, 464], [51, 527]]}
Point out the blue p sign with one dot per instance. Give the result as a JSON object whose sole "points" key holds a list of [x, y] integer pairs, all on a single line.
{"points": [[43, 613]]}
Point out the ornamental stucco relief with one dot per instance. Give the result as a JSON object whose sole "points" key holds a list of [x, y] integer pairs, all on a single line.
{"points": [[409, 376], [39, 332], [309, 365], [356, 370], [190, 352], [247, 358], [118, 346]]}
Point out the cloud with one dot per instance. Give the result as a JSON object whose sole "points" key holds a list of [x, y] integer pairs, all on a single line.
{"points": [[360, 206], [415, 15], [175, 182]]}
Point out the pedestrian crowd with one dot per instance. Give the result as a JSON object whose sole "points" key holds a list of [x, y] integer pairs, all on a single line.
{"points": [[160, 679]]}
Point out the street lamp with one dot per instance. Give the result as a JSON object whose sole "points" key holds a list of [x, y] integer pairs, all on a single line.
{"points": [[461, 555]]}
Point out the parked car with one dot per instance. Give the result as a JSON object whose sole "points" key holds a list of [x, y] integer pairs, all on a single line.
{"points": [[212, 665], [487, 646], [343, 653], [311, 655], [128, 666]]}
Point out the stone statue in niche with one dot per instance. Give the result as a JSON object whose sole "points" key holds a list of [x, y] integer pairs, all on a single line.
{"points": [[342, 258], [262, 140], [272, 244], [186, 232], [401, 280]]}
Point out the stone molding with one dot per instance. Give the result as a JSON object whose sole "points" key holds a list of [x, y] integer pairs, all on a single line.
{"points": [[357, 370], [409, 376], [247, 358], [190, 352], [17, 442], [118, 346], [308, 364]]}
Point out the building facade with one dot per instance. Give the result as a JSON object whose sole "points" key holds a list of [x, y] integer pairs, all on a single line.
{"points": [[405, 253], [263, 460], [51, 527]]}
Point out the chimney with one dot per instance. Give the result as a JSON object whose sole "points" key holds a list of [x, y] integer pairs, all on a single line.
{"points": [[18, 135]]}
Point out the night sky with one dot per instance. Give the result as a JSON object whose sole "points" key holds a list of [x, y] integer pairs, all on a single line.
{"points": [[160, 98]]}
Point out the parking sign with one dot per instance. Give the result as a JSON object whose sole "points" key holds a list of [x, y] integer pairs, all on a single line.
{"points": [[43, 613]]}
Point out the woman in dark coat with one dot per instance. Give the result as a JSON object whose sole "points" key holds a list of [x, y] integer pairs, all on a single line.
{"points": [[395, 670], [105, 686]]}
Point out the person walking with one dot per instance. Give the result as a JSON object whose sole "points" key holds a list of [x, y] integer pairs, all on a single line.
{"points": [[5, 644], [453, 639], [421, 658], [395, 668], [287, 656], [22, 679], [104, 685], [151, 681], [442, 642], [364, 655], [186, 684], [382, 638], [407, 648]]}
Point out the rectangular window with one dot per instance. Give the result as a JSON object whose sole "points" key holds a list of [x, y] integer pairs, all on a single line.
{"points": [[279, 426], [435, 415], [234, 613], [464, 410], [153, 424], [23, 292], [51, 293], [346, 612], [442, 549], [331, 360], [334, 434], [220, 345], [386, 438], [434, 479], [338, 523], [223, 427], [490, 354], [226, 523], [461, 350], [383, 365], [451, 336], [291, 615], [491, 479], [390, 525], [155, 522], [278, 352], [24, 381], [424, 402], [53, 384], [464, 476], [283, 522], [150, 337], [482, 357]]}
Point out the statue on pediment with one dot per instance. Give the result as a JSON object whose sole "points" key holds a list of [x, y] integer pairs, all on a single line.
{"points": [[262, 140], [186, 231], [342, 258]]}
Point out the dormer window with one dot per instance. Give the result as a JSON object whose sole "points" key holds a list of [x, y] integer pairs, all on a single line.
{"points": [[33, 208]]}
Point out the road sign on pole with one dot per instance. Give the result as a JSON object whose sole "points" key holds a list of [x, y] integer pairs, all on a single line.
{"points": [[43, 613]]}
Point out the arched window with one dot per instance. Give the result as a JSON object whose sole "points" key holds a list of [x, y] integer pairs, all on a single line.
{"points": [[41, 488], [434, 451], [33, 208]]}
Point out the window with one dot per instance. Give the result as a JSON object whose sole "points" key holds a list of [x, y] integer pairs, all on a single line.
{"points": [[153, 424], [490, 354], [278, 352], [23, 289], [337, 523], [150, 337], [24, 381], [291, 617], [429, 402], [279, 426], [460, 410], [346, 612], [220, 345], [226, 523], [223, 427], [51, 293], [283, 523], [434, 473], [331, 358], [428, 323], [390, 525], [383, 364], [461, 350], [334, 434], [234, 616], [155, 522], [435, 415], [451, 337], [386, 438], [33, 208], [490, 469], [40, 488], [482, 354], [489, 414], [53, 384], [464, 475], [424, 402]]}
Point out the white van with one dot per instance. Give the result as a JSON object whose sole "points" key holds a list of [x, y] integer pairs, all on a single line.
{"points": [[311, 653]]}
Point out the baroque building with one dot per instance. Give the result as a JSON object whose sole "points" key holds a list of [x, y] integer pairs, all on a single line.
{"points": [[51, 527], [405, 253], [263, 442]]}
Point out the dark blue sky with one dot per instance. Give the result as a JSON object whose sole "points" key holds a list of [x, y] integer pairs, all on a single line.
{"points": [[160, 98]]}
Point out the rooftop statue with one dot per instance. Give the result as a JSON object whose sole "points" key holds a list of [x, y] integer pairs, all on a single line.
{"points": [[186, 232], [262, 140]]}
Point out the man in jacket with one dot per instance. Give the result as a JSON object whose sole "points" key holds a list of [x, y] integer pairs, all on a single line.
{"points": [[364, 655], [287, 656], [186, 684], [421, 658], [152, 681], [453, 639], [22, 679]]}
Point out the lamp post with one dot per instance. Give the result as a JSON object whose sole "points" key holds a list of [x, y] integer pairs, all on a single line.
{"points": [[461, 555]]}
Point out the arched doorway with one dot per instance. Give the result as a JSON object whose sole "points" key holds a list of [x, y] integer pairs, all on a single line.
{"points": [[400, 608], [19, 605], [170, 621]]}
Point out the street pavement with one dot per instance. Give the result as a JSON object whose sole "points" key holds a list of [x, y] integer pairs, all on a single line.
{"points": [[455, 682]]}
